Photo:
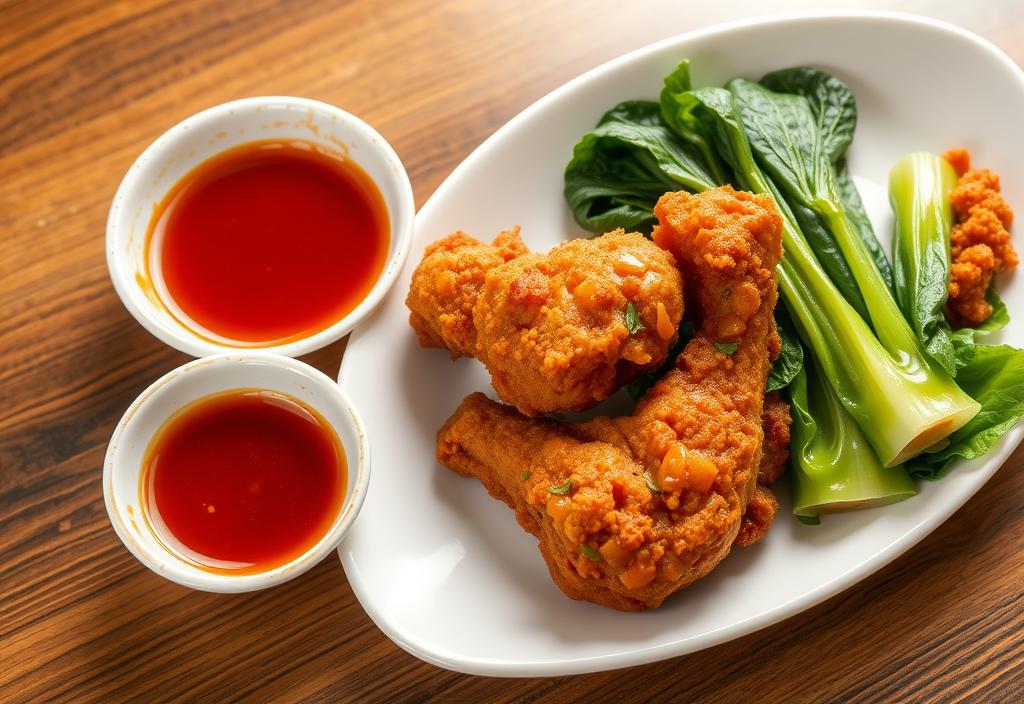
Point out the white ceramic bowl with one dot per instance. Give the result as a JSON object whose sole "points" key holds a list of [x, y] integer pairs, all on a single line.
{"points": [[195, 380], [193, 141]]}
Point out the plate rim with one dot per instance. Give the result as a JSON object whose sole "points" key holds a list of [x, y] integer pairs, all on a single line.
{"points": [[493, 667]]}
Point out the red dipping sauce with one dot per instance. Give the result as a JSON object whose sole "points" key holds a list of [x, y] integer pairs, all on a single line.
{"points": [[243, 481], [268, 242]]}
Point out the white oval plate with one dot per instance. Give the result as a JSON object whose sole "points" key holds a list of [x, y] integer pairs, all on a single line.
{"points": [[444, 569]]}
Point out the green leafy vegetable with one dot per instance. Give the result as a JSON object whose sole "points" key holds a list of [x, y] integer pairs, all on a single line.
{"points": [[726, 347], [902, 400], [633, 322], [873, 390], [965, 339], [525, 474], [829, 256], [835, 112], [791, 357], [590, 552], [829, 100], [834, 467], [919, 189], [800, 136], [854, 206], [706, 116], [561, 488], [677, 83], [995, 377], [896, 407], [621, 168]]}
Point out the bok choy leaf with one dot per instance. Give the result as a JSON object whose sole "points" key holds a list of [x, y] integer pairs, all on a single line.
{"points": [[835, 112], [791, 357], [995, 377], [621, 167]]}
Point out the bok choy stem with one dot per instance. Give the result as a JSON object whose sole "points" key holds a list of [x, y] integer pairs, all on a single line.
{"points": [[919, 188], [834, 467]]}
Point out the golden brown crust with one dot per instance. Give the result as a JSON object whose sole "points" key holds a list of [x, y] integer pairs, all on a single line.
{"points": [[517, 459], [551, 328], [776, 420], [761, 510], [759, 517], [446, 284], [607, 533]]}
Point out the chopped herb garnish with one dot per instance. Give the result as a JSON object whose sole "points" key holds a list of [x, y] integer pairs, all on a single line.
{"points": [[633, 322], [561, 488], [725, 347], [590, 552], [726, 292], [652, 486], [525, 474]]}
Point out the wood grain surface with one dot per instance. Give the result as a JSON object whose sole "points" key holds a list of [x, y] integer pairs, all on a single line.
{"points": [[85, 85]]}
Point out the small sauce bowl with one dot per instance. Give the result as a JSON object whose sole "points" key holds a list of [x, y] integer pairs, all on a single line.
{"points": [[190, 143], [123, 466]]}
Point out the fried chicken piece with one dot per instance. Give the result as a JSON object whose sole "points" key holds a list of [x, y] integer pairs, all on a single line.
{"points": [[447, 283], [980, 243], [628, 510], [557, 331]]}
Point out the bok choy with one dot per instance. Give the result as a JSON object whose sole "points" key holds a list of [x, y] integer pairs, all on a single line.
{"points": [[902, 401], [621, 168], [834, 468], [919, 188], [995, 377]]}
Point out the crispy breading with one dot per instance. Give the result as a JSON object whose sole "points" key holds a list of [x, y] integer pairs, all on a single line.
{"points": [[552, 329], [776, 420], [448, 281], [759, 517]]}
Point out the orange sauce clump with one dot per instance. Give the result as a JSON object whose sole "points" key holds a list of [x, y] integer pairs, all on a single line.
{"points": [[268, 242], [980, 243]]}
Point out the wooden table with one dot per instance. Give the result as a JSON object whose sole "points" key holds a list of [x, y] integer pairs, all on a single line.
{"points": [[84, 87]]}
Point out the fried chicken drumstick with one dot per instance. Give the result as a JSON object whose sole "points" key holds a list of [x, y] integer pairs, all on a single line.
{"points": [[629, 510], [558, 331]]}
